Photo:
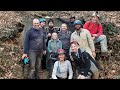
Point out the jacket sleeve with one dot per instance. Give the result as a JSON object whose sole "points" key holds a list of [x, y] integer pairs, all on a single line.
{"points": [[26, 41], [87, 63], [90, 41], [72, 37], [49, 50], [44, 42], [100, 30], [70, 71], [94, 61], [60, 45], [55, 70], [64, 21]]}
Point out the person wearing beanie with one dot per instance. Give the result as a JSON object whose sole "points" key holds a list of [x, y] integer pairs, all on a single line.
{"points": [[69, 23]]}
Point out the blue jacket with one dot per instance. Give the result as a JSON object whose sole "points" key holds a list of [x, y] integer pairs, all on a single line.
{"points": [[54, 45], [34, 41]]}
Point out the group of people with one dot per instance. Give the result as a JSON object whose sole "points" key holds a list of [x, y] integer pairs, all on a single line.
{"points": [[68, 53]]}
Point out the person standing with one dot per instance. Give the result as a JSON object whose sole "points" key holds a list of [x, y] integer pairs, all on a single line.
{"points": [[70, 23], [34, 47], [42, 25], [64, 36]]}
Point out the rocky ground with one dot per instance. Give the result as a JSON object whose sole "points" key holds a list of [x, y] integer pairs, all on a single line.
{"points": [[14, 23]]}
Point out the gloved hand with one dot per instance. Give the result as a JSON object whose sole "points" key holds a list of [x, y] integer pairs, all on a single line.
{"points": [[25, 61]]}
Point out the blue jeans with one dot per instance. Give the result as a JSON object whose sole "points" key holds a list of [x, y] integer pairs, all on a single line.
{"points": [[103, 42]]}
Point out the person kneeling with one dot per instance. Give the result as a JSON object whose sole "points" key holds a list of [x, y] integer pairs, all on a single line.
{"points": [[62, 68], [86, 66]]}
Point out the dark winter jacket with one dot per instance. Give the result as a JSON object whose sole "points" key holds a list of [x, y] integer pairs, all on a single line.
{"points": [[82, 61], [64, 37], [34, 41], [69, 24]]}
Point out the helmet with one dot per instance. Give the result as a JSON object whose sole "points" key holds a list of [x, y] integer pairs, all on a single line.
{"points": [[72, 17], [96, 14], [42, 20], [78, 22], [61, 51]]}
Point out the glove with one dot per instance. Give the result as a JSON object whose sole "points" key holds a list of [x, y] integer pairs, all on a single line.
{"points": [[25, 61]]}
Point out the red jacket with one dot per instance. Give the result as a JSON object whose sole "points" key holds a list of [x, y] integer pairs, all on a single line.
{"points": [[93, 28]]}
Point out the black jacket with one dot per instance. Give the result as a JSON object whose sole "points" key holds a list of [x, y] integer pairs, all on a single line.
{"points": [[65, 39], [83, 62], [69, 24]]}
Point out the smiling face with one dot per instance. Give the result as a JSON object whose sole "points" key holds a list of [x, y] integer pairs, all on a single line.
{"points": [[77, 27], [54, 36], [36, 23], [72, 19], [95, 19], [64, 27], [43, 24], [50, 24], [74, 47], [61, 57]]}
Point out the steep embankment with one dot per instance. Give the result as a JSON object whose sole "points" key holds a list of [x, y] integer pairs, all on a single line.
{"points": [[14, 23]]}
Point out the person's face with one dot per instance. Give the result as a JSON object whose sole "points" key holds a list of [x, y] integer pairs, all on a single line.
{"points": [[95, 19], [77, 27], [74, 48], [43, 24], [61, 57], [54, 36], [36, 24], [50, 24], [63, 27], [72, 19]]}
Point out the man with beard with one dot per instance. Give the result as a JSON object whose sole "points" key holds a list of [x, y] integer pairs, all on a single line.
{"points": [[50, 31], [83, 37]]}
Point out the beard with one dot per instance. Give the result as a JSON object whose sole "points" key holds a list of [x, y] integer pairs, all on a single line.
{"points": [[77, 28], [51, 26]]}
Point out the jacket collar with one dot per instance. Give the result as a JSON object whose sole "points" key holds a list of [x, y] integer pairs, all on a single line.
{"points": [[54, 40]]}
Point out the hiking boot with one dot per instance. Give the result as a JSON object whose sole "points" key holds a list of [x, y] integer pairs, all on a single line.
{"points": [[104, 54]]}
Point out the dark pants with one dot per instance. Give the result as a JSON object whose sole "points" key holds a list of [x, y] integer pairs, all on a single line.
{"points": [[43, 62], [51, 68], [34, 65], [75, 71]]}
